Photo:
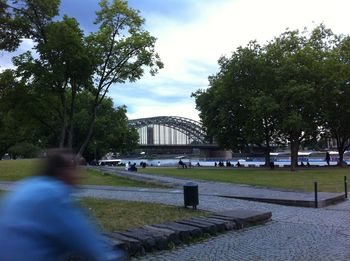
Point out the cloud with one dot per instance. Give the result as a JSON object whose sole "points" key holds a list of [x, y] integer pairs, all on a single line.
{"points": [[192, 35], [191, 47]]}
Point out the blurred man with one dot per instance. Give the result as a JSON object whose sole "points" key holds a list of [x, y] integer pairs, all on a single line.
{"points": [[39, 220]]}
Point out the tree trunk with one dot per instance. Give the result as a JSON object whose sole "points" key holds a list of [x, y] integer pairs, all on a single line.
{"points": [[267, 153], [89, 134], [342, 146], [294, 148], [341, 162], [64, 125], [71, 121]]}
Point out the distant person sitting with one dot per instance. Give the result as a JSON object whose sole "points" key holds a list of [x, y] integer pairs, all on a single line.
{"points": [[307, 163], [133, 167], [328, 158], [39, 219], [182, 164], [127, 165], [238, 164]]}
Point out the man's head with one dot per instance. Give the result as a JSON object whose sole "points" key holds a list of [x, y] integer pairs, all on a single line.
{"points": [[61, 164]]}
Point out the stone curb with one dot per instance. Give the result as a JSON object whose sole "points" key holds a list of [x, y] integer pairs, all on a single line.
{"points": [[138, 241]]}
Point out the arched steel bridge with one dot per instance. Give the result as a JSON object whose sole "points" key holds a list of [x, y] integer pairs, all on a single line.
{"points": [[192, 129]]}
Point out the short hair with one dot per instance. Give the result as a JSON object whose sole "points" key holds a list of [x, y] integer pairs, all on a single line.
{"points": [[57, 160]]}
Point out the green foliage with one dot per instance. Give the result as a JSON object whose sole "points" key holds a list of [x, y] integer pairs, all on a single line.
{"points": [[21, 19], [335, 94], [111, 132], [45, 89], [294, 89], [239, 108], [24, 150]]}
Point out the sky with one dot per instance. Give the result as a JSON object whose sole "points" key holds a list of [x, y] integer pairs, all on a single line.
{"points": [[193, 34]]}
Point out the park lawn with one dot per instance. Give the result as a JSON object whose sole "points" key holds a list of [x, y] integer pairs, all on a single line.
{"points": [[329, 179], [13, 170], [119, 215]]}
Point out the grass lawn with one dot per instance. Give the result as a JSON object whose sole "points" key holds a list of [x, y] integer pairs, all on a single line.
{"points": [[13, 170], [329, 179], [113, 215], [120, 215]]}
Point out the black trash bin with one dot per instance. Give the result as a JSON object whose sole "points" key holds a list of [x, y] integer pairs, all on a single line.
{"points": [[191, 195]]}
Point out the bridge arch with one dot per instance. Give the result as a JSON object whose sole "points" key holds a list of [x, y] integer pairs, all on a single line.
{"points": [[191, 128]]}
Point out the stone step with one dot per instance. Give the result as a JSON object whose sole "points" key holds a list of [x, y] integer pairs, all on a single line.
{"points": [[173, 236], [186, 232], [221, 225], [162, 241], [161, 236], [149, 241], [205, 227], [244, 218], [132, 246]]}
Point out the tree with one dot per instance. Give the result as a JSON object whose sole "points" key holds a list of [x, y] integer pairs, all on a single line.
{"points": [[25, 19], [269, 94], [27, 123], [121, 49], [16, 124], [335, 95], [238, 108], [296, 59], [69, 63], [111, 133]]}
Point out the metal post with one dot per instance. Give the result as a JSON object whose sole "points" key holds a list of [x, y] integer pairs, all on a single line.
{"points": [[346, 187], [316, 200]]}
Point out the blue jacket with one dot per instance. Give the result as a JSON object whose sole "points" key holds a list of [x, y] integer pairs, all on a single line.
{"points": [[39, 221]]}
